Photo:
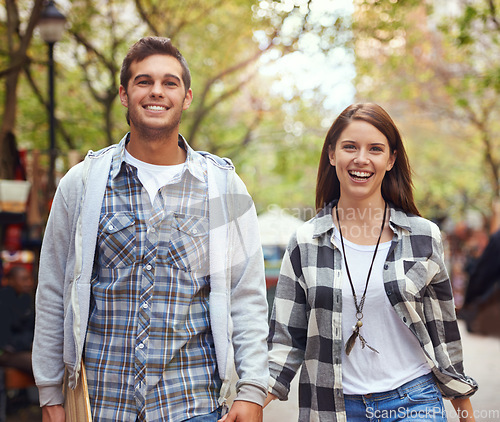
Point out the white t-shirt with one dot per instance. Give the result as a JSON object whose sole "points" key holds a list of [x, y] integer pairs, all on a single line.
{"points": [[152, 176], [400, 358]]}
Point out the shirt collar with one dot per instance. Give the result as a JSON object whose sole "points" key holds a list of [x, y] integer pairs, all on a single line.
{"points": [[193, 164], [323, 222], [399, 218]]}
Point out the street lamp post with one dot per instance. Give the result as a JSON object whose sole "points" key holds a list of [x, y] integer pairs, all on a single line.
{"points": [[51, 26]]}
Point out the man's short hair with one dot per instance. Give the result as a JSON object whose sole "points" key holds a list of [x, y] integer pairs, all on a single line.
{"points": [[149, 46]]}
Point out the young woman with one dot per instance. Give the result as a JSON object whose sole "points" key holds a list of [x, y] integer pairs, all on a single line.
{"points": [[364, 304]]}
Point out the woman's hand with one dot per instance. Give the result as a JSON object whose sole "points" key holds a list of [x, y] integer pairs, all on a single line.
{"points": [[463, 407], [270, 397]]}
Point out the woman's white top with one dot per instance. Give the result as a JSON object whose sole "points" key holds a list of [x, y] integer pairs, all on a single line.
{"points": [[152, 176], [400, 358]]}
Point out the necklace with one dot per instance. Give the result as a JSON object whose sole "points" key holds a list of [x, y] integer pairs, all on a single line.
{"points": [[359, 306]]}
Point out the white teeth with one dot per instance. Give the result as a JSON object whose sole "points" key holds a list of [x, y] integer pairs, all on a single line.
{"points": [[360, 173], [155, 108]]}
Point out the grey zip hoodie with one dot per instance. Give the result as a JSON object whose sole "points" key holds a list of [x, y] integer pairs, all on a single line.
{"points": [[238, 306]]}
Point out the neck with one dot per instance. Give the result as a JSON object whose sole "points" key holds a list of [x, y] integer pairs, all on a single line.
{"points": [[355, 210], [361, 221], [159, 150]]}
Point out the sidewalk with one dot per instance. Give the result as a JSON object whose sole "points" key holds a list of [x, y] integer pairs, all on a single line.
{"points": [[482, 362]]}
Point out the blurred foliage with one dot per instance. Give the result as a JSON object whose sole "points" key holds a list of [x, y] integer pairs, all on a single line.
{"points": [[433, 65], [274, 142]]}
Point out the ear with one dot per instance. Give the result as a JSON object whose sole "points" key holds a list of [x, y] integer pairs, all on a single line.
{"points": [[123, 96], [392, 160], [188, 99], [331, 155]]}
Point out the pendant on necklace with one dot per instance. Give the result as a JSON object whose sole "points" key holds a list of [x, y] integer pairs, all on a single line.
{"points": [[359, 307]]}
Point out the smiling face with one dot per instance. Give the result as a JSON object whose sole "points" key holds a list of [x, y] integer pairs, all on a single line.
{"points": [[155, 96], [361, 158]]}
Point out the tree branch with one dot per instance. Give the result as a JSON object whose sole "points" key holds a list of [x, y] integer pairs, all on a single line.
{"points": [[67, 138], [493, 13]]}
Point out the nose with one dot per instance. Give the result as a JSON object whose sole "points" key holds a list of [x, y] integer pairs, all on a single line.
{"points": [[157, 90], [361, 157]]}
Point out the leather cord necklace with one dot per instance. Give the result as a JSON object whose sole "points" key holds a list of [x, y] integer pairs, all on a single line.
{"points": [[359, 306]]}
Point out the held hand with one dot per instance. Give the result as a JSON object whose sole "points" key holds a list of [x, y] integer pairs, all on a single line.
{"points": [[243, 411], [53, 414], [270, 397]]}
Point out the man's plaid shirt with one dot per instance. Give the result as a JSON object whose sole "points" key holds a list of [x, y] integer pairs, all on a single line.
{"points": [[307, 316], [149, 351]]}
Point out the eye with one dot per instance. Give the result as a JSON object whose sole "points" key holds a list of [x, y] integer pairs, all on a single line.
{"points": [[377, 149], [349, 147]]}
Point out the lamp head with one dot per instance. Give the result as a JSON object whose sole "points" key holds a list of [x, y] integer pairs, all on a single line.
{"points": [[51, 23]]}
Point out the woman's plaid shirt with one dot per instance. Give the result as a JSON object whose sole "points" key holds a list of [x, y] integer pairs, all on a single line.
{"points": [[307, 315]]}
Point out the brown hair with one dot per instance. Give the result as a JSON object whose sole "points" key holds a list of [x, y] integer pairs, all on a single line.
{"points": [[397, 186], [149, 46]]}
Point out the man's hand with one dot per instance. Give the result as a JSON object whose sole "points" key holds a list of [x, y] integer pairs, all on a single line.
{"points": [[243, 411], [53, 414]]}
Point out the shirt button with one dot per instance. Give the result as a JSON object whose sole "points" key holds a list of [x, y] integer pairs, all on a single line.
{"points": [[389, 293], [152, 230], [386, 266], [145, 306], [404, 319], [111, 227], [141, 346], [148, 267], [195, 231]]}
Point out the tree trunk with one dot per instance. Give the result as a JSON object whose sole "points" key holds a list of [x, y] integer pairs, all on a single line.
{"points": [[18, 45], [7, 147]]}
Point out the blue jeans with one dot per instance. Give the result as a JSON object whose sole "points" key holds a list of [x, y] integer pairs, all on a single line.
{"points": [[211, 417], [417, 400]]}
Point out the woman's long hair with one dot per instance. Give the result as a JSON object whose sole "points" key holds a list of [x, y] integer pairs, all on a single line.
{"points": [[397, 186]]}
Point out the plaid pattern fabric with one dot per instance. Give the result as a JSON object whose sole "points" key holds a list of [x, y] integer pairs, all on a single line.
{"points": [[149, 350], [306, 321]]}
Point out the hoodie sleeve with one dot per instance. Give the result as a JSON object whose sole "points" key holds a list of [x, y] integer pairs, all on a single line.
{"points": [[55, 272], [249, 309]]}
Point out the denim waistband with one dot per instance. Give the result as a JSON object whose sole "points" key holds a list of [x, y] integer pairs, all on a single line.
{"points": [[397, 392]]}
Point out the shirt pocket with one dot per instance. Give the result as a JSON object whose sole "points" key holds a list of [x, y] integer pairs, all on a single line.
{"points": [[418, 274], [117, 240], [188, 247]]}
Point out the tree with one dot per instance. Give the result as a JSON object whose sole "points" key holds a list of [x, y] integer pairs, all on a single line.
{"points": [[226, 43], [17, 43], [436, 79]]}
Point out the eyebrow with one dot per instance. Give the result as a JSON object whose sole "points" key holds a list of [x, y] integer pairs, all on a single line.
{"points": [[355, 142], [167, 75]]}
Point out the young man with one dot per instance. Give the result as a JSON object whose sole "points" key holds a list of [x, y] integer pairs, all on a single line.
{"points": [[151, 270]]}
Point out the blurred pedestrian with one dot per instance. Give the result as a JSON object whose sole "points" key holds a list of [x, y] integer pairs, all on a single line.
{"points": [[151, 269], [486, 273], [363, 304], [482, 299], [17, 318]]}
